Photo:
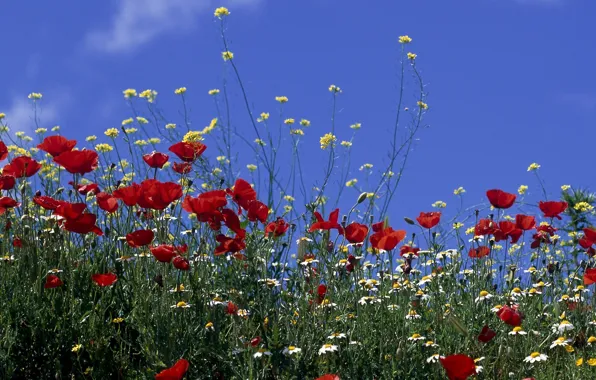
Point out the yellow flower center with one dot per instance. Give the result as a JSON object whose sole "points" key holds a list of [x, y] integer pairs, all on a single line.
{"points": [[292, 348], [416, 336], [181, 304], [483, 293], [517, 329], [535, 354]]}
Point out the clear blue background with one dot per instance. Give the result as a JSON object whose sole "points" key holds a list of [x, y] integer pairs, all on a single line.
{"points": [[510, 82]]}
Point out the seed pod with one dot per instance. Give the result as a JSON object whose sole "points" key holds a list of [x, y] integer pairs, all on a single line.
{"points": [[361, 198]]}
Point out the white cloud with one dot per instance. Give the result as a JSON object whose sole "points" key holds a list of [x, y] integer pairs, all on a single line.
{"points": [[137, 22], [20, 114]]}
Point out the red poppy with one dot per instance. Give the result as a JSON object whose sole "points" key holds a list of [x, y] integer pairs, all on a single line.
{"points": [[458, 367], [3, 151], [16, 241], [175, 372], [255, 341], [257, 210], [182, 167], [510, 316], [75, 220], [83, 225], [7, 182], [590, 276], [129, 194], [552, 209], [181, 263], [327, 225], [542, 235], [355, 233], [321, 293], [56, 145], [385, 238], [6, 203], [188, 151], [242, 193], [506, 230], [52, 281], [78, 161], [590, 234], [328, 377], [92, 188], [406, 250], [207, 207], [22, 166], [206, 204], [525, 222], [106, 279], [163, 253], [500, 199], [485, 227], [231, 308], [140, 238], [107, 202], [46, 202], [156, 160], [228, 244], [479, 252], [158, 195], [486, 335], [277, 227], [429, 219], [233, 222]]}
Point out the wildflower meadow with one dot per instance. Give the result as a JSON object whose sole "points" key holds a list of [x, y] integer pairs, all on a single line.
{"points": [[153, 249]]}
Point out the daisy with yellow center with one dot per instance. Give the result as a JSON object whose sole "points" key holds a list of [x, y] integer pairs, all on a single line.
{"points": [[416, 337], [517, 330], [561, 341], [327, 348], [181, 305], [536, 357], [484, 295]]}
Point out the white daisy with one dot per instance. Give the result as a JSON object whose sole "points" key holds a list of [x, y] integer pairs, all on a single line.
{"points": [[535, 357], [327, 348]]}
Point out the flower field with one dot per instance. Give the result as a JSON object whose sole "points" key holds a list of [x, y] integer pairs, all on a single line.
{"points": [[155, 252]]}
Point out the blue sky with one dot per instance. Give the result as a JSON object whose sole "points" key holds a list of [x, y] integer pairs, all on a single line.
{"points": [[510, 82]]}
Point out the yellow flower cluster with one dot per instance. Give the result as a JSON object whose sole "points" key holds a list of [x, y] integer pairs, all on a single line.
{"points": [[112, 132], [192, 136], [459, 190], [404, 39], [334, 89], [522, 189], [533, 166], [35, 96], [215, 91], [129, 93], [227, 55], [327, 140], [281, 99], [221, 12], [103, 148], [180, 91], [583, 207], [150, 95]]}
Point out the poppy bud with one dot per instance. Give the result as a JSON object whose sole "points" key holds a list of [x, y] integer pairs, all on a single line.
{"points": [[330, 247], [38, 193], [361, 198], [344, 221], [409, 221], [159, 280]]}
